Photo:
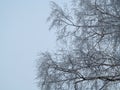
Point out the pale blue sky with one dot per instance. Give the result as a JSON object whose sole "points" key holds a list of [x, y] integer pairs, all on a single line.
{"points": [[23, 34]]}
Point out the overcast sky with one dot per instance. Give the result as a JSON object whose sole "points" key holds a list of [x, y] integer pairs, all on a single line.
{"points": [[23, 34]]}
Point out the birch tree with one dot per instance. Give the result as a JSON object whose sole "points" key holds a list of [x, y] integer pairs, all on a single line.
{"points": [[89, 30]]}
